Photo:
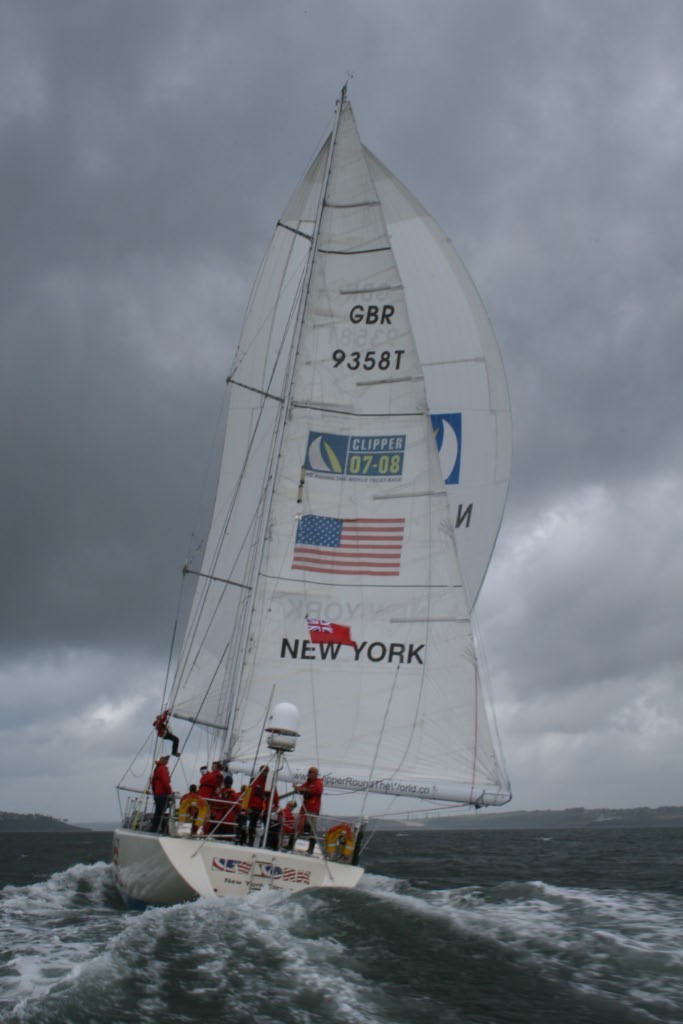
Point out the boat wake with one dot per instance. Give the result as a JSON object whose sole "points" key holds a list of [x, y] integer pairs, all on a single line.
{"points": [[388, 952], [618, 946], [51, 929], [73, 954]]}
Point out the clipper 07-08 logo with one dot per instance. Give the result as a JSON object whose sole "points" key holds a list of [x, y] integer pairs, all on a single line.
{"points": [[447, 429], [355, 457]]}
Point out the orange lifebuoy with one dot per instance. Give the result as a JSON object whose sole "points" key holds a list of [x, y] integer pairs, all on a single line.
{"points": [[193, 810], [340, 841]]}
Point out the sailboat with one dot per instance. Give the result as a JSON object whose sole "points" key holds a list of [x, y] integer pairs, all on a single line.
{"points": [[360, 493]]}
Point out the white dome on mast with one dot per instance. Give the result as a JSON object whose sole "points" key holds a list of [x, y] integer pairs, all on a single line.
{"points": [[283, 726]]}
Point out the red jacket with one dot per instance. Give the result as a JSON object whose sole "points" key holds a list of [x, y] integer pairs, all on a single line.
{"points": [[161, 780], [312, 792], [224, 806], [287, 819], [210, 783], [161, 724], [258, 795]]}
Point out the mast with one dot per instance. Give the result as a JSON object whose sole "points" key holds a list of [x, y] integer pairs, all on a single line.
{"points": [[237, 683], [307, 276]]}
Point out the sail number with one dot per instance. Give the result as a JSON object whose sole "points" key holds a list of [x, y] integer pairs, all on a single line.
{"points": [[368, 360]]}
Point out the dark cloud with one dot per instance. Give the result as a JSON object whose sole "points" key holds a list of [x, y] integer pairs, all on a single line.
{"points": [[146, 151]]}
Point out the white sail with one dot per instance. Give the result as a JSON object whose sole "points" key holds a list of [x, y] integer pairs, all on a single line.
{"points": [[332, 510], [464, 376]]}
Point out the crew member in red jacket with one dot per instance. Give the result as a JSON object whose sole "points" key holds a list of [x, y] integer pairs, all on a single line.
{"points": [[161, 791], [211, 782], [224, 810], [287, 825], [257, 799], [163, 731], [312, 791]]}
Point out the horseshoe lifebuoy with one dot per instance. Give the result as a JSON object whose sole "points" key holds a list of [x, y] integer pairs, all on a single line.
{"points": [[340, 841], [193, 810]]}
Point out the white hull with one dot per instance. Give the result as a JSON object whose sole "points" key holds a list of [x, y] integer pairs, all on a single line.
{"points": [[160, 870]]}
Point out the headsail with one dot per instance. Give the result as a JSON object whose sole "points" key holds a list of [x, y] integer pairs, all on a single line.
{"points": [[464, 376], [332, 504]]}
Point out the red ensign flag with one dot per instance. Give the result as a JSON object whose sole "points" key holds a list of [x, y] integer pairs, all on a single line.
{"points": [[322, 631]]}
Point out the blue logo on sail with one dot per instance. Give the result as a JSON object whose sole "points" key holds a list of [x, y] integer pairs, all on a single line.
{"points": [[447, 429], [356, 456]]}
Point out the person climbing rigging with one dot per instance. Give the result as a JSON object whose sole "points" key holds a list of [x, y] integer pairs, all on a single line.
{"points": [[163, 731]]}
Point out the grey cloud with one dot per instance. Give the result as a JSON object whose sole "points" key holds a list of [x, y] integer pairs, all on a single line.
{"points": [[146, 151]]}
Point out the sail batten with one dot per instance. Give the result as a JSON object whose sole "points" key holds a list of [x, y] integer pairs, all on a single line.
{"points": [[402, 495], [432, 618], [352, 206], [385, 383], [346, 409], [355, 252], [351, 413], [371, 291]]}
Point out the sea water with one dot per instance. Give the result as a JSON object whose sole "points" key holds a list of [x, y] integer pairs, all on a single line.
{"points": [[474, 927]]}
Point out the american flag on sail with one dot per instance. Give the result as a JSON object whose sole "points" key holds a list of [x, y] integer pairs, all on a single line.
{"points": [[350, 547]]}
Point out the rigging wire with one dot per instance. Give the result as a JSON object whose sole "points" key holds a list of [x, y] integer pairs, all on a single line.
{"points": [[191, 635], [379, 740], [292, 271]]}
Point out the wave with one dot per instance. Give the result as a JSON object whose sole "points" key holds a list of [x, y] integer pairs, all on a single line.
{"points": [[72, 954], [619, 945], [50, 928], [390, 952]]}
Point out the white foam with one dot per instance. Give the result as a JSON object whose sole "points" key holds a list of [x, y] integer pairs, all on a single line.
{"points": [[67, 942], [618, 944], [51, 928], [70, 949], [270, 937]]}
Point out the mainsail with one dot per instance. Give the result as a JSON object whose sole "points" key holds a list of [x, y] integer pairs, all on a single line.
{"points": [[368, 426]]}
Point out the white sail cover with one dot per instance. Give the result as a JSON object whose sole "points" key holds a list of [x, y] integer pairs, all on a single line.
{"points": [[332, 520]]}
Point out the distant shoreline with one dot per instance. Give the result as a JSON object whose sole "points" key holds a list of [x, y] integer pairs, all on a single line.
{"points": [[11, 822], [573, 817]]}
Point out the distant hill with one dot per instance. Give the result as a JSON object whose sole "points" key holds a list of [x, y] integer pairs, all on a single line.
{"points": [[10, 822], [572, 817]]}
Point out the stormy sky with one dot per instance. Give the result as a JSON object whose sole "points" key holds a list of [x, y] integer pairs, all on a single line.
{"points": [[146, 152]]}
